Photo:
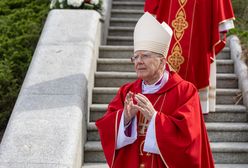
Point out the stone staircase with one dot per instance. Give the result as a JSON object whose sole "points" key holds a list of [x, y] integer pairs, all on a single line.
{"points": [[227, 127]]}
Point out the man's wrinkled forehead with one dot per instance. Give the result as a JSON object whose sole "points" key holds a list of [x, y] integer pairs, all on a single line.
{"points": [[145, 52]]}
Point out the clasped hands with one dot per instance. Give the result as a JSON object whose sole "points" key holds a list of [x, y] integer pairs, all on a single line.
{"points": [[143, 105]]}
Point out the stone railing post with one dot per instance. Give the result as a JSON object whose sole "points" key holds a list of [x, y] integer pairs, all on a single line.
{"points": [[239, 66], [47, 128]]}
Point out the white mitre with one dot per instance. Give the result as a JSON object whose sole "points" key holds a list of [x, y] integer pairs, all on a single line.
{"points": [[150, 35]]}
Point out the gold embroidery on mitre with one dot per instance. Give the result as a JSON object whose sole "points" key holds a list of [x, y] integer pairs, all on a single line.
{"points": [[179, 24]]}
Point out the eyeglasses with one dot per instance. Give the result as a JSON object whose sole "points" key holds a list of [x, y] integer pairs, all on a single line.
{"points": [[143, 57]]}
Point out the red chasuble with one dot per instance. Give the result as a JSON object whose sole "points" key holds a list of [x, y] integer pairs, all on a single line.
{"points": [[196, 38], [180, 131]]}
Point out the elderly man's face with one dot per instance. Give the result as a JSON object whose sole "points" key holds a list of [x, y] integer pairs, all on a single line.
{"points": [[148, 65]]}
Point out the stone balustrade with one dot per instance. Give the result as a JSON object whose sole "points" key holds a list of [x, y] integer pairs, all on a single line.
{"points": [[240, 67], [47, 128]]}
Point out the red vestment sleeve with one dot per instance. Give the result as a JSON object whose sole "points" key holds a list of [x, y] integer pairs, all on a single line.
{"points": [[178, 132], [151, 6], [223, 10]]}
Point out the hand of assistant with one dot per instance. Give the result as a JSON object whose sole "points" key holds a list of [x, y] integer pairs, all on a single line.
{"points": [[144, 106], [130, 109]]}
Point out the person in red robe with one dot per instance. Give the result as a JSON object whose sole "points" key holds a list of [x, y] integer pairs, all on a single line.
{"points": [[199, 28], [156, 120]]}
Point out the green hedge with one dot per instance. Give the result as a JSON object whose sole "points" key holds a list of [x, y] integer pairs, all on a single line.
{"points": [[240, 8], [21, 22]]}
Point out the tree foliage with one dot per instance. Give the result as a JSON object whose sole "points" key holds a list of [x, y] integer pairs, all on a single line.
{"points": [[21, 22]]}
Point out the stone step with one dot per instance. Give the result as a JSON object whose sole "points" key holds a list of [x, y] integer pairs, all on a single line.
{"points": [[95, 165], [92, 134], [125, 52], [223, 152], [227, 80], [121, 31], [223, 113], [105, 165], [93, 152], [103, 95], [109, 64], [230, 152], [128, 5], [126, 39], [126, 13], [97, 111], [217, 132], [231, 165], [225, 66], [120, 40], [113, 79], [117, 52], [227, 113], [224, 54], [116, 79], [227, 132], [123, 22], [228, 96], [125, 65]]}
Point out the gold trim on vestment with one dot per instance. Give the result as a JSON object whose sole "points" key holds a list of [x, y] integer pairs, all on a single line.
{"points": [[141, 148], [157, 140], [116, 123], [143, 124], [179, 24]]}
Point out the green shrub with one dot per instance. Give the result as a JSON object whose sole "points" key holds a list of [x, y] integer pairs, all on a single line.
{"points": [[21, 22], [240, 8]]}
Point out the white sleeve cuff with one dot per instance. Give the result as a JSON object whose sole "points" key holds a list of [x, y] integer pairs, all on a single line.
{"points": [[122, 139], [226, 25], [150, 140]]}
